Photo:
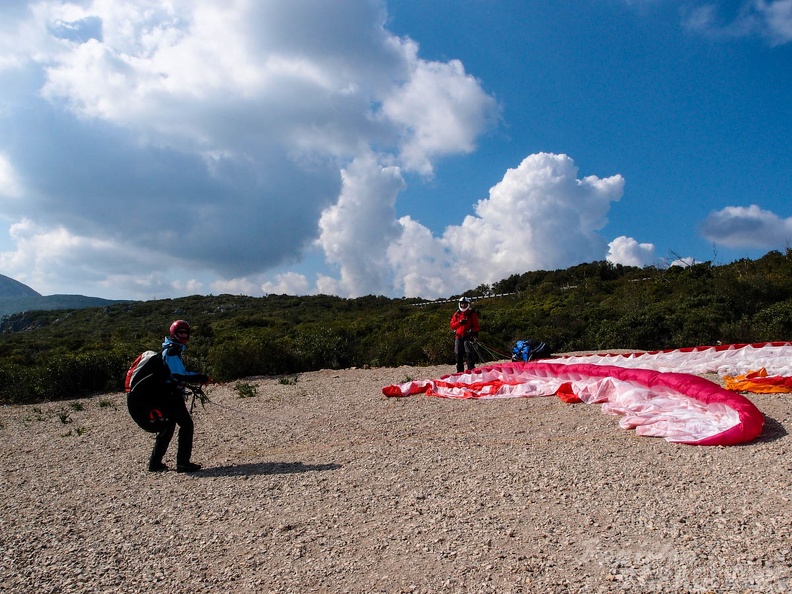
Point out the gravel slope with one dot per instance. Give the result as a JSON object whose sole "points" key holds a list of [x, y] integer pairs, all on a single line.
{"points": [[325, 485]]}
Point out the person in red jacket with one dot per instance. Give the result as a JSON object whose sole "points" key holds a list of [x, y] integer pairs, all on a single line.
{"points": [[465, 324]]}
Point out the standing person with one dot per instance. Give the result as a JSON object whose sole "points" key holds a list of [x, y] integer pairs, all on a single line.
{"points": [[465, 324], [175, 404]]}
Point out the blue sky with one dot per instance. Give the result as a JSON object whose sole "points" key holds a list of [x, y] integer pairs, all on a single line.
{"points": [[354, 147]]}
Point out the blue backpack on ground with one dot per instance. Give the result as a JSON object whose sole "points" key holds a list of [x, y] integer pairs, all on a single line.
{"points": [[530, 349]]}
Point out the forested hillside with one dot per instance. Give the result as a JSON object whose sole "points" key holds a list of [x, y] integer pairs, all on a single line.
{"points": [[598, 306]]}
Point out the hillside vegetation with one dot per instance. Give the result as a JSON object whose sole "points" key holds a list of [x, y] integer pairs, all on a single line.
{"points": [[51, 355]]}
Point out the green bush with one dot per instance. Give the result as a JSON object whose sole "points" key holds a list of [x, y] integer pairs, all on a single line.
{"points": [[57, 355], [774, 323], [322, 347], [247, 357], [246, 390]]}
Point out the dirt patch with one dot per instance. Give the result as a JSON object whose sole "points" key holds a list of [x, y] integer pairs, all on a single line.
{"points": [[325, 485]]}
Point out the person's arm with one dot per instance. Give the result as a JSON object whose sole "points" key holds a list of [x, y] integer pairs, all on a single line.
{"points": [[474, 324], [179, 372]]}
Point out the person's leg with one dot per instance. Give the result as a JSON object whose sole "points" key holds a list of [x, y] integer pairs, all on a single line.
{"points": [[161, 446], [459, 351], [183, 419], [469, 354]]}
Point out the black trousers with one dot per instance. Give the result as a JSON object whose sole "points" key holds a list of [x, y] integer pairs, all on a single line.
{"points": [[177, 414], [463, 349]]}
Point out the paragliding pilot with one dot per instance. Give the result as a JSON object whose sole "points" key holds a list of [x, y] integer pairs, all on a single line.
{"points": [[173, 347], [465, 324]]}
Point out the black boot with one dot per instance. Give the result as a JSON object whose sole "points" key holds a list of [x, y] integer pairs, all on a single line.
{"points": [[188, 467]]}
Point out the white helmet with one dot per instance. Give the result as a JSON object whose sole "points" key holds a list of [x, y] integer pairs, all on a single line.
{"points": [[464, 303]]}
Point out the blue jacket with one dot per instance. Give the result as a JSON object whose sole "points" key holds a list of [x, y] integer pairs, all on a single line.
{"points": [[172, 355]]}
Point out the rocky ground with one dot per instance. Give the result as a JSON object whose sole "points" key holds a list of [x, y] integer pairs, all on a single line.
{"points": [[321, 484]]}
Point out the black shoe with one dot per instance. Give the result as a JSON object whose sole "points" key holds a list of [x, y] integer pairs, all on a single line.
{"points": [[189, 467], [157, 467]]}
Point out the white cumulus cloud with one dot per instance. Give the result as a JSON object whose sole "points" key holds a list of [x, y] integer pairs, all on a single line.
{"points": [[540, 216], [751, 226], [442, 108], [628, 252], [288, 283], [356, 231]]}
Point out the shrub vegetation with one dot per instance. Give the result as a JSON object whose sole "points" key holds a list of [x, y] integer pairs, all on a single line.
{"points": [[58, 355]]}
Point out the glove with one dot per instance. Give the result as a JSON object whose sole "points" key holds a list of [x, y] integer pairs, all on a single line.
{"points": [[201, 378]]}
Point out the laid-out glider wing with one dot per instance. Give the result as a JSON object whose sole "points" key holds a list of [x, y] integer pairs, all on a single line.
{"points": [[680, 407], [762, 367], [760, 382]]}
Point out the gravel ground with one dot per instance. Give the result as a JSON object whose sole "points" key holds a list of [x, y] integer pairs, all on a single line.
{"points": [[324, 485]]}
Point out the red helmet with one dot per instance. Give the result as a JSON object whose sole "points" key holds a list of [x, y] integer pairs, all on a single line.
{"points": [[180, 331]]}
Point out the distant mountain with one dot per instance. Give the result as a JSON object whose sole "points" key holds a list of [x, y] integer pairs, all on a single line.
{"points": [[13, 289], [48, 302], [16, 297]]}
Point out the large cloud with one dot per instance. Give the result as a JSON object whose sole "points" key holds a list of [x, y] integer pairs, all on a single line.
{"points": [[356, 232], [540, 216], [211, 134]]}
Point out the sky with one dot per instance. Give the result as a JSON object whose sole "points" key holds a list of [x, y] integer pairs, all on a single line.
{"points": [[157, 149]]}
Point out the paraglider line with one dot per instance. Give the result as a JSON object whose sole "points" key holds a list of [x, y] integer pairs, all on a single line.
{"points": [[496, 355]]}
